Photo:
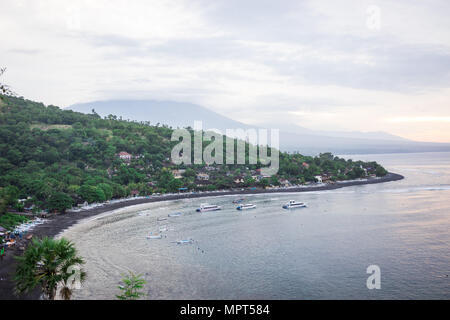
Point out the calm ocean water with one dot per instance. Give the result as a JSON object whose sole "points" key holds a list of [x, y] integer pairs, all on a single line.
{"points": [[320, 252]]}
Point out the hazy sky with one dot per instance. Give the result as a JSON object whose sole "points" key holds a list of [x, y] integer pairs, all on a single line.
{"points": [[328, 65]]}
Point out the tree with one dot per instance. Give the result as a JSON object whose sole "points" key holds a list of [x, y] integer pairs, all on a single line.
{"points": [[3, 205], [274, 181], [48, 263], [59, 201], [4, 89], [88, 193], [380, 171], [131, 288], [264, 182], [107, 190], [8, 197]]}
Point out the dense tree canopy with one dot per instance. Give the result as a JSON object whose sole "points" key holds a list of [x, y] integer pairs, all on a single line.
{"points": [[55, 158]]}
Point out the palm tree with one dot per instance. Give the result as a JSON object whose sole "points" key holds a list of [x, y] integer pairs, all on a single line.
{"points": [[49, 263], [132, 287]]}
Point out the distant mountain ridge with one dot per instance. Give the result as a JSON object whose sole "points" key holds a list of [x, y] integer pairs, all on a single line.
{"points": [[174, 114], [292, 137]]}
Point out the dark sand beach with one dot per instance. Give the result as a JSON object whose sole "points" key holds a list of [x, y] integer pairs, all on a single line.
{"points": [[58, 223]]}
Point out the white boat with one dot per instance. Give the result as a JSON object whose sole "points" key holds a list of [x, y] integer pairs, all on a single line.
{"points": [[154, 236], [246, 206], [163, 229], [208, 207], [292, 204], [187, 241]]}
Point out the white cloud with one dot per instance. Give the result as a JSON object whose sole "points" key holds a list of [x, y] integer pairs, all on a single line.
{"points": [[254, 61]]}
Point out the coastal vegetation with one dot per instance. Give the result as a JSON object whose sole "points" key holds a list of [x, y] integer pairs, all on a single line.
{"points": [[11, 220], [131, 288], [49, 264], [52, 159]]}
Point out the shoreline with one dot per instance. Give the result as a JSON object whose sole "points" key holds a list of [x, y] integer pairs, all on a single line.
{"points": [[55, 225]]}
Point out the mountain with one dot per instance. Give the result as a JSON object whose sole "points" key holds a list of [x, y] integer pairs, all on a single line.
{"points": [[55, 158], [293, 128], [174, 114], [292, 137]]}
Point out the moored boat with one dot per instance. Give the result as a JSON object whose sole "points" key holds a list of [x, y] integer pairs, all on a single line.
{"points": [[154, 236], [186, 241], [292, 204], [246, 206], [208, 207]]}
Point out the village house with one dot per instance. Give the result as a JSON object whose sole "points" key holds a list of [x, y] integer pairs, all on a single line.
{"points": [[178, 174], [238, 180], [305, 165], [319, 179], [284, 183], [125, 156], [365, 171], [202, 176]]}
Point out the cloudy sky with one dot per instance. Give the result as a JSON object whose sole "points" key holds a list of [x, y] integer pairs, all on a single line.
{"points": [[328, 65]]}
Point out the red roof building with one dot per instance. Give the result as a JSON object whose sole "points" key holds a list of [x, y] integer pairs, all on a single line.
{"points": [[125, 156]]}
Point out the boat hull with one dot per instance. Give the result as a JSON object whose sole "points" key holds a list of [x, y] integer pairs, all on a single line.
{"points": [[245, 208], [154, 237], [294, 206], [207, 210]]}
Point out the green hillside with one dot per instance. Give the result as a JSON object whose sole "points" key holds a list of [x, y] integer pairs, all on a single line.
{"points": [[57, 158]]}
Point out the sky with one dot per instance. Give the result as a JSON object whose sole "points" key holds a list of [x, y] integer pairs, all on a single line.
{"points": [[324, 65]]}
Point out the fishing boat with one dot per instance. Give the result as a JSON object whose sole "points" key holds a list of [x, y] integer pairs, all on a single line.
{"points": [[246, 206], [208, 207], [161, 219], [186, 241], [175, 214], [154, 236], [292, 204], [238, 200]]}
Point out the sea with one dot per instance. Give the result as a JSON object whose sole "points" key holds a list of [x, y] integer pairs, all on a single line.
{"points": [[378, 241]]}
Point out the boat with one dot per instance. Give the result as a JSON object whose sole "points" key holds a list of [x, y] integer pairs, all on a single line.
{"points": [[186, 241], [175, 214], [163, 229], [246, 206], [238, 200], [208, 207], [161, 219], [154, 236], [292, 204]]}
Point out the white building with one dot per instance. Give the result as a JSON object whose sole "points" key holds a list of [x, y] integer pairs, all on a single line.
{"points": [[203, 176], [178, 174], [125, 156]]}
